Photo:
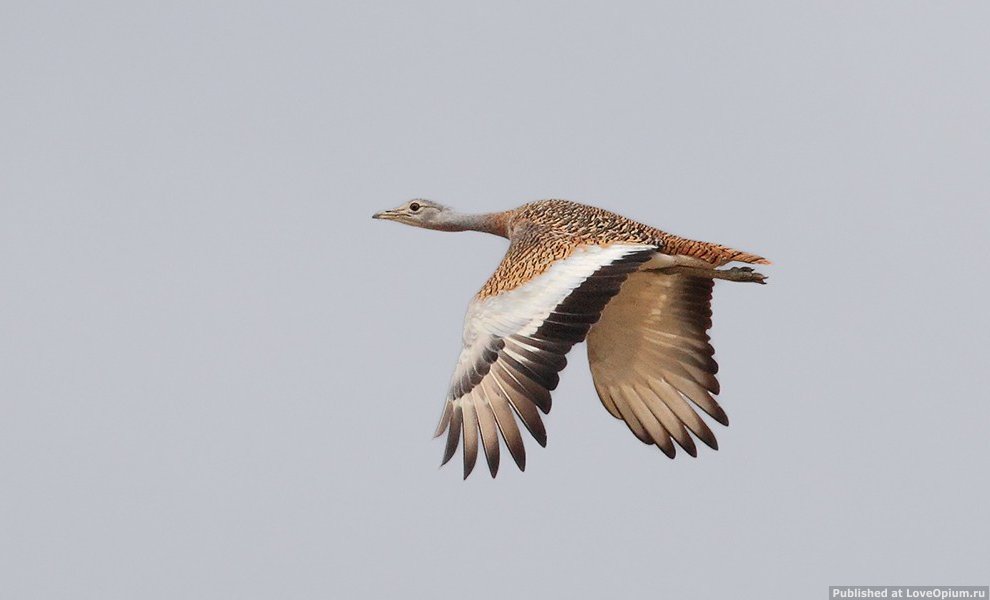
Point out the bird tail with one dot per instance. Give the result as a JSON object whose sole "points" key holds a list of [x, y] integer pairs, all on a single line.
{"points": [[746, 257], [713, 253]]}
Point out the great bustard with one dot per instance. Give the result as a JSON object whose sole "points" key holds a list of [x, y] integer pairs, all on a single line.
{"points": [[641, 297]]}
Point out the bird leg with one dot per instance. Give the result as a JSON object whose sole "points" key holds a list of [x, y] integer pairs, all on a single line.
{"points": [[733, 274]]}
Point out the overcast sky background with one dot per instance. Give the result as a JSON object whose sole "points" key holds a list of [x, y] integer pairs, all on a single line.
{"points": [[219, 377]]}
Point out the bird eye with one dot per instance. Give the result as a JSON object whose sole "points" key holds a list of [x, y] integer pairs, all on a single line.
{"points": [[414, 207]]}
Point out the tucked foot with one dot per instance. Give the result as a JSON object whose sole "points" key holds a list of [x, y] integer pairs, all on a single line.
{"points": [[741, 274], [745, 274]]}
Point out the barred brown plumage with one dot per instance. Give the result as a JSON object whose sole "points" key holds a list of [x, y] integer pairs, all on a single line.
{"points": [[551, 229], [640, 296]]}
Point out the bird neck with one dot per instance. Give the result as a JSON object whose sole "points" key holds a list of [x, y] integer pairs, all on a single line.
{"points": [[493, 223]]}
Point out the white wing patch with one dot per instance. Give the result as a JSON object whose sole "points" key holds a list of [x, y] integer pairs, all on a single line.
{"points": [[521, 311]]}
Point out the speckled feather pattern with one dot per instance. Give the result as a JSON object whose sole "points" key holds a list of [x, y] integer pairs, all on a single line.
{"points": [[543, 232]]}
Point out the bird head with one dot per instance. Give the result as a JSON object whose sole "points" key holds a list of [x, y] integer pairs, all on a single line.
{"points": [[418, 212]]}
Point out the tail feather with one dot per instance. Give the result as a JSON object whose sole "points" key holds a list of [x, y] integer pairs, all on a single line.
{"points": [[716, 254], [746, 257]]}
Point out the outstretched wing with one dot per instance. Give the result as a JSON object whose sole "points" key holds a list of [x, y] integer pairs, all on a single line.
{"points": [[651, 359], [515, 341]]}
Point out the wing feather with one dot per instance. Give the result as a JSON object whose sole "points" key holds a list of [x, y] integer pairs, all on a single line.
{"points": [[515, 344], [656, 433], [631, 419], [683, 411], [506, 421], [651, 358], [453, 434], [470, 436], [488, 428], [524, 387]]}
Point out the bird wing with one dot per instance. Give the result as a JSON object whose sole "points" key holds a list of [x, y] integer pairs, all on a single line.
{"points": [[515, 341], [651, 359]]}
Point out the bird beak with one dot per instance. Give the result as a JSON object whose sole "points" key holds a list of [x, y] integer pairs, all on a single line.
{"points": [[387, 215]]}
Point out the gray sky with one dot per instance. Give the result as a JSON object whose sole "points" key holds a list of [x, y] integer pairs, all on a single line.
{"points": [[219, 377]]}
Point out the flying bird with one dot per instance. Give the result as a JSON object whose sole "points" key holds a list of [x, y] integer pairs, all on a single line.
{"points": [[640, 296]]}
